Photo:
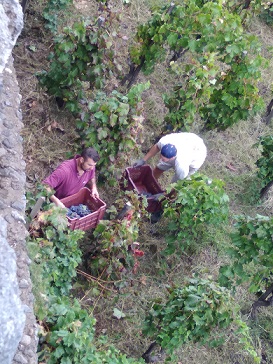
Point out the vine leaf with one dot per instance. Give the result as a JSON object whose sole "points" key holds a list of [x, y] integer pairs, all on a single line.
{"points": [[118, 314]]}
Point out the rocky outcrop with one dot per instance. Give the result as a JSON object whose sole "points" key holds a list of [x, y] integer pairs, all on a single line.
{"points": [[18, 339], [12, 319], [11, 16]]}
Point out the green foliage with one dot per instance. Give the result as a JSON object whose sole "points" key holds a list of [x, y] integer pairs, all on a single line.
{"points": [[52, 12], [67, 334], [244, 8], [219, 75], [78, 63], [265, 163], [236, 95], [197, 202], [191, 313], [41, 192], [221, 98], [81, 63], [114, 251], [71, 338], [267, 14], [112, 124], [261, 330], [59, 253], [251, 253]]}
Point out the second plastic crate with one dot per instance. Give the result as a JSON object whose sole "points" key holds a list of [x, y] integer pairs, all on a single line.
{"points": [[96, 205], [141, 180]]}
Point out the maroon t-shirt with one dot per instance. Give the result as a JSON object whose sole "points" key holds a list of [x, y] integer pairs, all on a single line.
{"points": [[65, 179]]}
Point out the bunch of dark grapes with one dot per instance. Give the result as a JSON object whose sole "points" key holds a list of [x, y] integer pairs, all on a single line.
{"points": [[78, 211]]}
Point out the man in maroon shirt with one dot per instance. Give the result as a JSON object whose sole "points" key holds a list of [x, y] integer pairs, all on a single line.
{"points": [[74, 174]]}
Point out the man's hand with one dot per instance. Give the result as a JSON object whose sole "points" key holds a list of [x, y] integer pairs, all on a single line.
{"points": [[57, 202], [158, 196], [60, 204], [94, 192], [139, 163]]}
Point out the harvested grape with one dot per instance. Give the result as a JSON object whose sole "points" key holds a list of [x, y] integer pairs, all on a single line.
{"points": [[78, 211]]}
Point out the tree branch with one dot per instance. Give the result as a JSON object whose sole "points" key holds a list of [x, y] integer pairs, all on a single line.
{"points": [[262, 301]]}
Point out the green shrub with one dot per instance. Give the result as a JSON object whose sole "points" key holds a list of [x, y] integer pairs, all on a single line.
{"points": [[59, 254], [251, 253], [69, 337], [52, 11], [220, 73], [265, 163], [196, 202], [77, 63], [191, 313], [113, 125], [115, 254]]}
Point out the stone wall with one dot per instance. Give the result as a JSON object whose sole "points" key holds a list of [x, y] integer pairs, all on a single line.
{"points": [[18, 337]]}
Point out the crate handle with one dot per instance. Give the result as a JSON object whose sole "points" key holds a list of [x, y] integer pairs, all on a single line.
{"points": [[129, 179]]}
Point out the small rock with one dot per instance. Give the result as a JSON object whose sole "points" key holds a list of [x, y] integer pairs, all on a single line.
{"points": [[2, 152], [18, 217], [19, 358], [20, 206], [9, 143], [20, 273], [16, 185], [4, 172], [20, 264], [30, 353], [23, 283], [7, 103], [3, 228], [19, 114], [2, 205], [27, 309], [8, 124], [9, 219], [26, 340]]}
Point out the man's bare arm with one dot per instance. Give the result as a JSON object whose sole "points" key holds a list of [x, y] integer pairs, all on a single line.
{"points": [[152, 152], [93, 187], [55, 199]]}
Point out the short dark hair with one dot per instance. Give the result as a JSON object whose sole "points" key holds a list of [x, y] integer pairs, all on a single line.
{"points": [[90, 153]]}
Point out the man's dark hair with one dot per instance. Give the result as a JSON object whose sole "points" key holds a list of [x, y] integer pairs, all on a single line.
{"points": [[90, 153]]}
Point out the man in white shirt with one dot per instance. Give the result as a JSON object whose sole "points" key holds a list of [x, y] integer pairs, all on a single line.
{"points": [[185, 152]]}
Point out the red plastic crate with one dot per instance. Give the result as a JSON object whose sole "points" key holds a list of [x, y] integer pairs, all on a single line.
{"points": [[96, 205], [142, 180]]}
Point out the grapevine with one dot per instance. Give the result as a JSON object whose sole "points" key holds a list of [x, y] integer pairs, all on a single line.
{"points": [[219, 76], [115, 252], [191, 313], [203, 201], [251, 256], [77, 63], [264, 163], [113, 125]]}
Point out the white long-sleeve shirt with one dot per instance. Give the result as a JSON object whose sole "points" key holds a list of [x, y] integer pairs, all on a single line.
{"points": [[191, 153]]}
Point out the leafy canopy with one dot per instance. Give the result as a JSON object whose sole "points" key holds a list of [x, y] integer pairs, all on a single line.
{"points": [[217, 62], [193, 204], [191, 313], [251, 253]]}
